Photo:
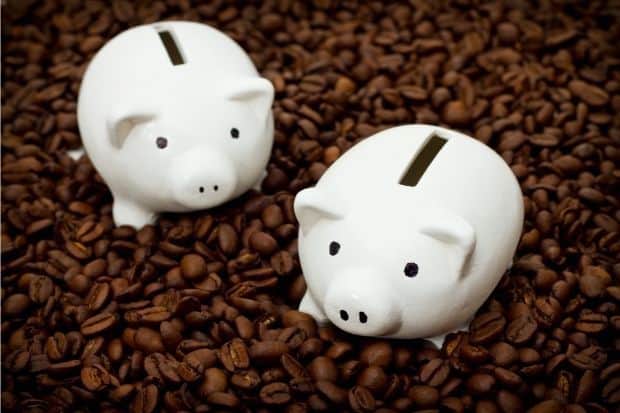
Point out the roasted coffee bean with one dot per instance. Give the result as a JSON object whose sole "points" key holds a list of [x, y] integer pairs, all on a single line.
{"points": [[95, 378], [521, 329], [487, 327], [146, 399], [361, 400], [193, 267], [97, 324], [379, 354], [275, 393], [423, 396], [234, 355]]}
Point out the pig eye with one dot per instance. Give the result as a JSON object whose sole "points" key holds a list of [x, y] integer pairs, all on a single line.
{"points": [[234, 132], [161, 142], [411, 269], [334, 247]]}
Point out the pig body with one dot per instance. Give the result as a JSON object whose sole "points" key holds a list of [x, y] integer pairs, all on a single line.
{"points": [[382, 258], [174, 117]]}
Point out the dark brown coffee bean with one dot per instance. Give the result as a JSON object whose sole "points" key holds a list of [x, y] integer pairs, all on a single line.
{"points": [[590, 358], [148, 340], [435, 372], [193, 267], [379, 354], [547, 406], [263, 243], [423, 396], [591, 323], [227, 239], [245, 379], [145, 400], [215, 380], [275, 393], [361, 400], [487, 327], [40, 289], [293, 367], [323, 368], [589, 93], [373, 378], [98, 324], [14, 305], [95, 378], [332, 392], [480, 383], [234, 355], [149, 315], [267, 351], [282, 263], [521, 329]]}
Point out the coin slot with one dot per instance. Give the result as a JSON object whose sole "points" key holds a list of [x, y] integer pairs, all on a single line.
{"points": [[422, 161], [172, 48]]}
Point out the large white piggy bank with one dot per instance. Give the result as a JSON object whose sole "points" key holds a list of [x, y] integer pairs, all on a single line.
{"points": [[175, 118], [407, 234]]}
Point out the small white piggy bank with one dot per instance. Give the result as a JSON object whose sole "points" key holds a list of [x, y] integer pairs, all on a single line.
{"points": [[175, 118], [408, 233]]}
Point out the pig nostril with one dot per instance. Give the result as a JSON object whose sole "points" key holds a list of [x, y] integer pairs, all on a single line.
{"points": [[201, 189], [344, 315], [215, 187], [363, 317]]}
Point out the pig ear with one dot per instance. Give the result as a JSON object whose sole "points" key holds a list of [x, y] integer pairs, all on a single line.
{"points": [[255, 91], [311, 206], [455, 231], [121, 123]]}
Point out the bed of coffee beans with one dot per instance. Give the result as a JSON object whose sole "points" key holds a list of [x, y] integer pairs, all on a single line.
{"points": [[197, 313]]}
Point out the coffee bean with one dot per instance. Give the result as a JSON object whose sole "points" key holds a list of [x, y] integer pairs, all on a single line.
{"points": [[267, 351], [323, 368], [148, 340], [215, 380], [379, 354], [435, 372], [521, 329], [487, 327], [234, 355], [423, 396], [98, 324], [263, 243], [373, 378], [275, 393], [361, 400], [145, 400], [193, 267], [480, 383], [95, 378], [15, 305], [227, 239]]}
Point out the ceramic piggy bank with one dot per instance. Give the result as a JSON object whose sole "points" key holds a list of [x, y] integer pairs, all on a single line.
{"points": [[175, 118], [407, 234]]}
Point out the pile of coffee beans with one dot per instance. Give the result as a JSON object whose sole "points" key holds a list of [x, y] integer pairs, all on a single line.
{"points": [[197, 313]]}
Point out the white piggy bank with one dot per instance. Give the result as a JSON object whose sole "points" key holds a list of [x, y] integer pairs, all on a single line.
{"points": [[407, 234], [175, 118]]}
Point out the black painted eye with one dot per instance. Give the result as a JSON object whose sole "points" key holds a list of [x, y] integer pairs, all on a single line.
{"points": [[334, 247], [161, 142], [234, 132], [411, 269]]}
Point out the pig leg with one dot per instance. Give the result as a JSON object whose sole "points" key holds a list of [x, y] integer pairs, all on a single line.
{"points": [[127, 212], [308, 305], [258, 183], [437, 340]]}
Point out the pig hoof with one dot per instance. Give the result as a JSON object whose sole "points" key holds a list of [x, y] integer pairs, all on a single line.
{"points": [[308, 305], [129, 213], [75, 154]]}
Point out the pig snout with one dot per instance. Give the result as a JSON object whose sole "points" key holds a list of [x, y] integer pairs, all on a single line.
{"points": [[358, 303], [202, 178]]}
